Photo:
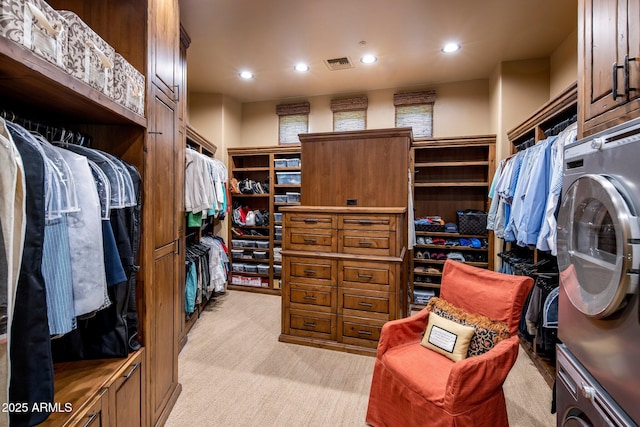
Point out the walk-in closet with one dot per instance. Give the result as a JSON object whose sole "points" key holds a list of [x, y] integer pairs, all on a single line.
{"points": [[326, 213]]}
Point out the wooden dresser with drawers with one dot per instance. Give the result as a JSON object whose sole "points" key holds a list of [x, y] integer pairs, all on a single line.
{"points": [[344, 275]]}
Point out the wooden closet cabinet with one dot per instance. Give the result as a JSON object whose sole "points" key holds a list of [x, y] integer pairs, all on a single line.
{"points": [[147, 34], [608, 63], [164, 42], [119, 399], [344, 275]]}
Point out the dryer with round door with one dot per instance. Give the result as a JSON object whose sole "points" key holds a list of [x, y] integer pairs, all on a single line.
{"points": [[599, 261]]}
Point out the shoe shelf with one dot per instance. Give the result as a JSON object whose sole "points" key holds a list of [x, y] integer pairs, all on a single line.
{"points": [[449, 174], [265, 164]]}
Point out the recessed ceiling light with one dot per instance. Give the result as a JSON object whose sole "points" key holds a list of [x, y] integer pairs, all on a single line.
{"points": [[246, 74], [450, 47], [301, 66], [368, 59]]}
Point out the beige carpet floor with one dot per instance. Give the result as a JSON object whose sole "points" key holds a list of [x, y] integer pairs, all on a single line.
{"points": [[234, 372]]}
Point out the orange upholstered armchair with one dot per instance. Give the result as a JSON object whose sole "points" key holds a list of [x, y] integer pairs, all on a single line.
{"points": [[415, 386]]}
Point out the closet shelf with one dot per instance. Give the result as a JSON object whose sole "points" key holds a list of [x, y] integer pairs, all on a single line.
{"points": [[265, 169], [426, 285], [30, 80], [450, 247], [451, 164], [287, 185], [444, 233], [451, 184], [441, 262], [250, 195]]}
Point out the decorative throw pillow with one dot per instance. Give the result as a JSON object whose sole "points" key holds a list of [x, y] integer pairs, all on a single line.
{"points": [[488, 332], [447, 337]]}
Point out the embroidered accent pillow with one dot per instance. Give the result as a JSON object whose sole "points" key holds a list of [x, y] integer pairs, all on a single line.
{"points": [[447, 337], [488, 332]]}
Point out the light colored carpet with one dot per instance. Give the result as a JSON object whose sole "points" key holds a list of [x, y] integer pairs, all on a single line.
{"points": [[234, 372]]}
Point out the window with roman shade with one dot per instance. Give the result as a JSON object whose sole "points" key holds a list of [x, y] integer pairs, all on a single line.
{"points": [[349, 113], [293, 120], [415, 110]]}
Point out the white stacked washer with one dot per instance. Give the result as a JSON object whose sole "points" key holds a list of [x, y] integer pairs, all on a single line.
{"points": [[598, 380]]}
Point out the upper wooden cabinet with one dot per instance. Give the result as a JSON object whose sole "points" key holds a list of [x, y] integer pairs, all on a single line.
{"points": [[164, 39], [366, 168], [608, 63]]}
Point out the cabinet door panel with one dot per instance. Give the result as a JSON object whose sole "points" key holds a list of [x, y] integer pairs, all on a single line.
{"points": [[603, 38], [165, 39], [162, 154], [164, 367], [129, 397]]}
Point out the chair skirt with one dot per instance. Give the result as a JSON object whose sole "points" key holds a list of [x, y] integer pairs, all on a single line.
{"points": [[393, 404]]}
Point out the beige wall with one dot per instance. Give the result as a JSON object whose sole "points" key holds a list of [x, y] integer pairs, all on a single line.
{"points": [[461, 108], [564, 65]]}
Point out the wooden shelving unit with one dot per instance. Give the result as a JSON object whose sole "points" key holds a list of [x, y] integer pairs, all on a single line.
{"points": [[259, 164], [449, 174]]}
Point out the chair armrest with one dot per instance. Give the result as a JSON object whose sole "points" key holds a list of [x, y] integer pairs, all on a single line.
{"points": [[402, 331], [474, 379]]}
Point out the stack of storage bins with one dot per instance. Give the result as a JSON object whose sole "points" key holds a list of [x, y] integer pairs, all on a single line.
{"points": [[62, 38]]}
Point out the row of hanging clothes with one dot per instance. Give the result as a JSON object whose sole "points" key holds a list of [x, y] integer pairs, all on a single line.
{"points": [[525, 193], [539, 317], [205, 188], [207, 270], [70, 241]]}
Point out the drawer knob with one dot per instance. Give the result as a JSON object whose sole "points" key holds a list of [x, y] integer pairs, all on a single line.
{"points": [[365, 243], [309, 325], [365, 276], [310, 272], [309, 240], [310, 220], [310, 297], [365, 304], [364, 333]]}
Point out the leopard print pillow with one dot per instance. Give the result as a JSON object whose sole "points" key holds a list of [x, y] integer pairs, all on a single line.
{"points": [[488, 332]]}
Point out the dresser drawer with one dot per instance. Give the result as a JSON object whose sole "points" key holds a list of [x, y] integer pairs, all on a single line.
{"points": [[357, 331], [316, 298], [379, 276], [371, 222], [369, 304], [311, 270], [310, 220], [311, 324], [303, 239], [366, 242]]}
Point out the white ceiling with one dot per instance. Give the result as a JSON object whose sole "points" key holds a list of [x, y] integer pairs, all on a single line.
{"points": [[269, 36]]}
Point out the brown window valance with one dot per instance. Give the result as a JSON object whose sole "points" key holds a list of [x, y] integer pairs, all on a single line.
{"points": [[349, 104], [412, 98], [290, 109]]}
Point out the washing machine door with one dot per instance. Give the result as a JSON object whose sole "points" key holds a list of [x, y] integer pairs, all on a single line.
{"points": [[595, 230]]}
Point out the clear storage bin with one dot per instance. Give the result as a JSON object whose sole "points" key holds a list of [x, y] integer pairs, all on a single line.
{"points": [[293, 197], [288, 178]]}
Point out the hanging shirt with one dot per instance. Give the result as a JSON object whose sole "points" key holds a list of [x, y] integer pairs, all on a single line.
{"points": [[85, 240], [548, 231]]}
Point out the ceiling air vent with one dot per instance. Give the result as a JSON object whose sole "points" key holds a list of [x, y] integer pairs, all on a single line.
{"points": [[339, 63]]}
